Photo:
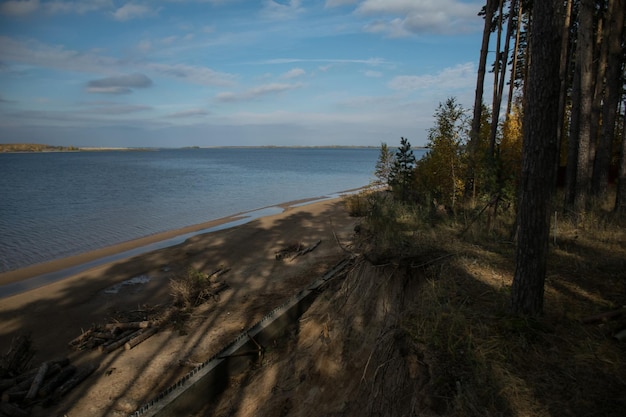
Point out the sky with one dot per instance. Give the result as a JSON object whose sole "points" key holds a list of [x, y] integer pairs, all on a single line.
{"points": [[175, 73]]}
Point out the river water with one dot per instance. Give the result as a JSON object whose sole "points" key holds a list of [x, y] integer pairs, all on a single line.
{"points": [[54, 205]]}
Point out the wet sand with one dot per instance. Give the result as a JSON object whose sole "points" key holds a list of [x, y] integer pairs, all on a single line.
{"points": [[35, 276]]}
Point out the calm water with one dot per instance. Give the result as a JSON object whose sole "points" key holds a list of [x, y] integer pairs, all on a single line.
{"points": [[54, 205]]}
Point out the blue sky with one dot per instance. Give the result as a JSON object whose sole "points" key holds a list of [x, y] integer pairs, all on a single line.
{"points": [[170, 73]]}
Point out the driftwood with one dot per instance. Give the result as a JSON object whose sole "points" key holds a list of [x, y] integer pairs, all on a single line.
{"points": [[218, 272], [111, 336], [80, 339], [50, 386], [24, 381], [212, 292], [78, 377], [125, 326], [13, 396], [18, 356], [139, 338], [105, 345], [47, 382], [296, 249], [120, 342], [103, 335], [34, 387], [16, 391], [7, 383], [606, 316], [12, 410]]}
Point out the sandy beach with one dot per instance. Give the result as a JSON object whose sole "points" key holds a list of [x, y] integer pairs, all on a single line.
{"points": [[56, 313]]}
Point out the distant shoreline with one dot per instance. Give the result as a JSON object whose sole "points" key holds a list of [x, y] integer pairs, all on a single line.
{"points": [[39, 148]]}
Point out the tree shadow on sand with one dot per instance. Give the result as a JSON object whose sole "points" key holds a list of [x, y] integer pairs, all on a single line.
{"points": [[257, 283]]}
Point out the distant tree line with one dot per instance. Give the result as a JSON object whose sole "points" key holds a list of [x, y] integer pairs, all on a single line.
{"points": [[34, 147]]}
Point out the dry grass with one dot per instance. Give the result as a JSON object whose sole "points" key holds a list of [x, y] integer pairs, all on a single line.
{"points": [[193, 287], [486, 362]]}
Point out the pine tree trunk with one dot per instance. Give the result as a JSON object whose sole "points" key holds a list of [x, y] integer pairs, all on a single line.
{"points": [[599, 70], [611, 97], [478, 99], [509, 104], [578, 170], [565, 57], [495, 107], [620, 200], [539, 152]]}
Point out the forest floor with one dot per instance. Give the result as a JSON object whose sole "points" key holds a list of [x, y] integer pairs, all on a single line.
{"points": [[428, 333]]}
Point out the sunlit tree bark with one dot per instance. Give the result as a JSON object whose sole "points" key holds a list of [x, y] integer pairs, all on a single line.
{"points": [[509, 105], [498, 71], [489, 10]]}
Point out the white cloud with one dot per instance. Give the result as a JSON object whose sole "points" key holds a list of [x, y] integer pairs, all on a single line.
{"points": [[370, 61], [256, 92], [459, 76], [293, 73], [58, 57], [132, 11], [19, 7], [194, 74], [279, 11], [373, 74], [54, 56], [406, 17]]}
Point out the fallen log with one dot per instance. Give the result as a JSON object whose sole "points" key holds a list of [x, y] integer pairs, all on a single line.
{"points": [[12, 410], [218, 272], [79, 377], [122, 335], [120, 342], [34, 387], [79, 340], [132, 325], [140, 338], [23, 381], [7, 383], [49, 387], [103, 335], [13, 396], [310, 248], [18, 356], [606, 316]]}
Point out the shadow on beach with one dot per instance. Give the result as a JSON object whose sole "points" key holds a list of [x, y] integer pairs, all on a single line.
{"points": [[257, 283]]}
